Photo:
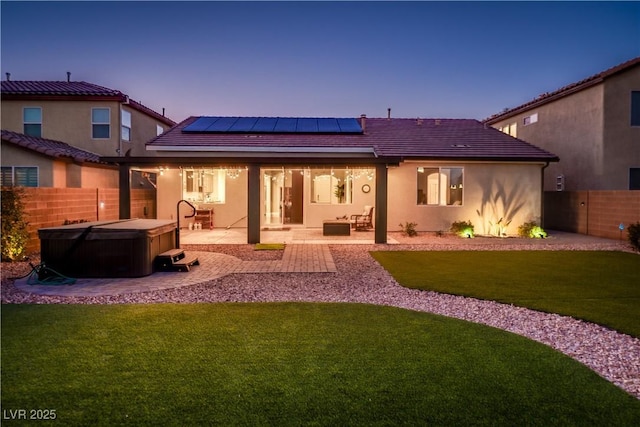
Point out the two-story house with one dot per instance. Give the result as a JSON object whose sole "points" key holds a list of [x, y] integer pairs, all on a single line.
{"points": [[55, 131], [592, 125]]}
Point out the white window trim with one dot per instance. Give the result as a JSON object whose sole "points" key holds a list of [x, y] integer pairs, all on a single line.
{"points": [[123, 126], [532, 118], [463, 185], [32, 123], [13, 174], [100, 123]]}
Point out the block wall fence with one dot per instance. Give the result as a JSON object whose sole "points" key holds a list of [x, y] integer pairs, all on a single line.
{"points": [[51, 207], [594, 213]]}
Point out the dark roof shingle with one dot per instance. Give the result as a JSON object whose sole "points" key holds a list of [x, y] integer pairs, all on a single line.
{"points": [[59, 88], [563, 91], [49, 147], [437, 139], [39, 89]]}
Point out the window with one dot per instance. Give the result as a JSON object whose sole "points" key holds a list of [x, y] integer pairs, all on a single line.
{"points": [[440, 186], [510, 129], [331, 186], [32, 119], [126, 125], [100, 123], [20, 176], [159, 130], [529, 120], [635, 108], [634, 179], [204, 185]]}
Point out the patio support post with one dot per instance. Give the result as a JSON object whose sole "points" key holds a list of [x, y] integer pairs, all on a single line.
{"points": [[380, 211], [124, 191], [253, 214]]}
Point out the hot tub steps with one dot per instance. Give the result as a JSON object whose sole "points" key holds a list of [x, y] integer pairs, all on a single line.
{"points": [[175, 260]]}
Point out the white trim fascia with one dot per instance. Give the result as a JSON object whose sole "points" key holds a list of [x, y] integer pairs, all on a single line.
{"points": [[274, 150]]}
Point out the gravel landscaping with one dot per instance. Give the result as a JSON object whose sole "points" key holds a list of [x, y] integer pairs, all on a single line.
{"points": [[360, 279]]}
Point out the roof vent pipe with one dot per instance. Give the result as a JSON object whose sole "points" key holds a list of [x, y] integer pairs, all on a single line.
{"points": [[162, 111], [68, 76], [363, 122], [8, 76], [388, 113]]}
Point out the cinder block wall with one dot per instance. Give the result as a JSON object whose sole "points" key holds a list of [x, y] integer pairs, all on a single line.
{"points": [[595, 213], [51, 207]]}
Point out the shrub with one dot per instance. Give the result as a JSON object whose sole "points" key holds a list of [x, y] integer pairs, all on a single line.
{"points": [[633, 232], [531, 230], [463, 228], [14, 227], [500, 228], [409, 229]]}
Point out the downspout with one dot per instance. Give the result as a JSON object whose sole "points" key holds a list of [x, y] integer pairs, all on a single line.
{"points": [[542, 224]]}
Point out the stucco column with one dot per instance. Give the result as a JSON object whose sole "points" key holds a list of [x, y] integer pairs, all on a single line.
{"points": [[124, 192], [253, 206], [380, 210]]}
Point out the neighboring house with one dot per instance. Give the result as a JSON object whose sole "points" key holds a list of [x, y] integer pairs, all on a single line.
{"points": [[83, 115], [261, 172], [593, 126], [52, 164]]}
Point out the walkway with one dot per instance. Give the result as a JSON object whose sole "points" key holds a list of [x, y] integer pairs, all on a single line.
{"points": [[296, 259]]}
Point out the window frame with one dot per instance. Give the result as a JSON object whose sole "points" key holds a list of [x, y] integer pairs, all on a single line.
{"points": [[634, 108], [194, 188], [14, 170], [439, 171], [31, 123], [530, 119], [345, 179], [94, 123], [124, 113]]}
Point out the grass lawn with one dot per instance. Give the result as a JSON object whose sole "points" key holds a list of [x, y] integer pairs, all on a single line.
{"points": [[598, 286], [289, 364]]}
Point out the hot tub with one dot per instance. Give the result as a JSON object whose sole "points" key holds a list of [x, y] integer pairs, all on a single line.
{"points": [[125, 248]]}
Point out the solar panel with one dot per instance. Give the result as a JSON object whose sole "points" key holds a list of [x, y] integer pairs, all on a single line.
{"points": [[264, 125], [243, 124], [349, 126], [307, 126], [274, 125], [286, 125], [200, 125], [222, 124], [328, 125]]}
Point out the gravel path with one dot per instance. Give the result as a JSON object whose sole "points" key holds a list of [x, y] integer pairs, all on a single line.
{"points": [[360, 279]]}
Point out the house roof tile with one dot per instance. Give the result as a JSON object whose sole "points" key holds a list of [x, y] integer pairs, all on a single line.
{"points": [[436, 139], [62, 88], [36, 89], [564, 91], [50, 147]]}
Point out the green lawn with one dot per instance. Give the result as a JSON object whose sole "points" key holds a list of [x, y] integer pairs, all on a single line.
{"points": [[598, 286], [289, 364]]}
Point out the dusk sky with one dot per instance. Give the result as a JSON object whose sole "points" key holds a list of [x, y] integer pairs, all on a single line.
{"points": [[337, 59]]}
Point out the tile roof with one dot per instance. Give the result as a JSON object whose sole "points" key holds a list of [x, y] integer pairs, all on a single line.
{"points": [[60, 88], [43, 90], [50, 147], [437, 139], [564, 91]]}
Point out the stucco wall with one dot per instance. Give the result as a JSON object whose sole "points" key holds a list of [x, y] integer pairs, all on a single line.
{"points": [[491, 191], [70, 122], [621, 140], [67, 121], [16, 156], [571, 128], [60, 173]]}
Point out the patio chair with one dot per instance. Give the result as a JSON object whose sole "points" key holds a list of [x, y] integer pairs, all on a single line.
{"points": [[363, 221]]}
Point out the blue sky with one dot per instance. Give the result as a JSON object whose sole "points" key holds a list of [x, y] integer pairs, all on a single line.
{"points": [[339, 59]]}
